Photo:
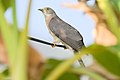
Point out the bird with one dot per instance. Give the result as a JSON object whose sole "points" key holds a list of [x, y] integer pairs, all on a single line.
{"points": [[63, 32]]}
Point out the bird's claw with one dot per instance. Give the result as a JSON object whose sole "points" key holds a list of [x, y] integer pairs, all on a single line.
{"points": [[53, 45], [65, 48]]}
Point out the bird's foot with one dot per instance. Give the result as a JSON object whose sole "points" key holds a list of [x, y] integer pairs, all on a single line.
{"points": [[65, 47], [53, 44]]}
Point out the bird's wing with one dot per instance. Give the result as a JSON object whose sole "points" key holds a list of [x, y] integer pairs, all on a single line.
{"points": [[66, 33]]}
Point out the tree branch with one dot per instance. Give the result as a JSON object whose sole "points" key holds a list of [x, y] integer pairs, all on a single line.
{"points": [[44, 42]]}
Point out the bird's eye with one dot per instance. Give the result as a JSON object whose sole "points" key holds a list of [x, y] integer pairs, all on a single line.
{"points": [[47, 8]]}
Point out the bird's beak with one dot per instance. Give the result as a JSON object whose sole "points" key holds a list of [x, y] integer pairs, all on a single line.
{"points": [[40, 10]]}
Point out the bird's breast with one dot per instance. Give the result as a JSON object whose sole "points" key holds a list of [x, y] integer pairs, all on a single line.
{"points": [[47, 19]]}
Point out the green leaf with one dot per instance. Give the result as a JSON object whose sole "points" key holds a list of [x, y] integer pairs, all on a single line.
{"points": [[107, 57], [85, 71], [116, 5], [8, 37], [53, 63], [11, 3], [6, 4], [70, 76], [5, 74], [1, 76]]}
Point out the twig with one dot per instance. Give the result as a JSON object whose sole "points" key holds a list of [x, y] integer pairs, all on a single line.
{"points": [[47, 43]]}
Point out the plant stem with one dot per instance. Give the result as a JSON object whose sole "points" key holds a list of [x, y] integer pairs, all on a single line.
{"points": [[15, 25], [63, 67], [84, 71], [21, 69]]}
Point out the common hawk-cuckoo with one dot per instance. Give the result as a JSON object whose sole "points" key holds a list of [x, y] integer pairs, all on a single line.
{"points": [[62, 31]]}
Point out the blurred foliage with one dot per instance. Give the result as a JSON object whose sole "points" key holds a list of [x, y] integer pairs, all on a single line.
{"points": [[16, 49], [115, 4], [6, 72], [51, 64], [16, 45], [106, 56], [6, 4], [110, 17], [5, 75]]}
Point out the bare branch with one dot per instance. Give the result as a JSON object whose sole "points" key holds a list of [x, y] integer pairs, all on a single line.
{"points": [[47, 43]]}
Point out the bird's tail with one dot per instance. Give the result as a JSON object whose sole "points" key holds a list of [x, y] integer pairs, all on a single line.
{"points": [[78, 52], [80, 60]]}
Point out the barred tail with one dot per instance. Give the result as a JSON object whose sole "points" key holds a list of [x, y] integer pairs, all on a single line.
{"points": [[80, 60]]}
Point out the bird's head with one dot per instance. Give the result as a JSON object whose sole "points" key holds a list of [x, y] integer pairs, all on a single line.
{"points": [[47, 11]]}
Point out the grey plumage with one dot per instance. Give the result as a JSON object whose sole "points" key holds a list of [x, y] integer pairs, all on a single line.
{"points": [[66, 33]]}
